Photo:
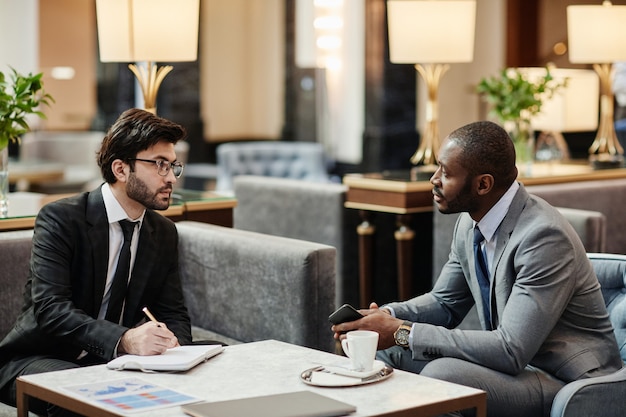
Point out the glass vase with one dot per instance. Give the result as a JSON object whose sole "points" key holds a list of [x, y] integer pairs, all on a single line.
{"points": [[523, 138], [4, 182]]}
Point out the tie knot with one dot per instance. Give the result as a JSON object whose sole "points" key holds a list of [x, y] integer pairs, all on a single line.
{"points": [[478, 237], [128, 228]]}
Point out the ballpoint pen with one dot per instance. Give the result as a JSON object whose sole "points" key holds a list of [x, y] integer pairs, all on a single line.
{"points": [[150, 316]]}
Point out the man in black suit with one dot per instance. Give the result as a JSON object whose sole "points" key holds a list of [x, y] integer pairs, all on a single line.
{"points": [[76, 245]]}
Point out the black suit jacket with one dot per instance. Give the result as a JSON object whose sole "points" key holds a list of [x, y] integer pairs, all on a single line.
{"points": [[65, 287]]}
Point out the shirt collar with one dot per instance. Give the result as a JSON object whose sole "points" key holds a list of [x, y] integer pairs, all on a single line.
{"points": [[114, 210], [490, 222]]}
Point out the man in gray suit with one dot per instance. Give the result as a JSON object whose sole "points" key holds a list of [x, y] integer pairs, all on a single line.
{"points": [[65, 321], [544, 321]]}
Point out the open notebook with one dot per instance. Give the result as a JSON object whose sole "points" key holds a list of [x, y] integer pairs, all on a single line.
{"points": [[291, 404], [181, 358]]}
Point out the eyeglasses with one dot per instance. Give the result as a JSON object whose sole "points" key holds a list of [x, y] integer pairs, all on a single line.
{"points": [[163, 167]]}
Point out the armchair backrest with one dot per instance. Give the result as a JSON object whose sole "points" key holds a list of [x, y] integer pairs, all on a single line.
{"points": [[305, 210], [602, 395], [298, 160], [611, 272]]}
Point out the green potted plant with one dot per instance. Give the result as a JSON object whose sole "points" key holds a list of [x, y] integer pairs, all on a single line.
{"points": [[514, 100], [20, 96]]}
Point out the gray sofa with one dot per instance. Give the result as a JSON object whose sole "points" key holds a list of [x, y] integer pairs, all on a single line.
{"points": [[250, 286], [239, 286]]}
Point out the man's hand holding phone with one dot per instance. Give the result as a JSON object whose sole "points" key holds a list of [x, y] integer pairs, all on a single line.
{"points": [[377, 319], [344, 314]]}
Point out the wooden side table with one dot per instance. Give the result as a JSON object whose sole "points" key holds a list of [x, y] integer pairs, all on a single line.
{"points": [[206, 206], [392, 193]]}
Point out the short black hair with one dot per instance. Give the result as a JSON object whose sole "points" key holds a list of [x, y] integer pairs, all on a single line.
{"points": [[486, 148], [134, 131]]}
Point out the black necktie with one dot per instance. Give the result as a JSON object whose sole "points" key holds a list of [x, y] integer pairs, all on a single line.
{"points": [[482, 273], [120, 280]]}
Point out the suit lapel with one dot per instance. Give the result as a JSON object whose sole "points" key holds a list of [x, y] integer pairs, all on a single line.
{"points": [[98, 233], [503, 233], [505, 229]]}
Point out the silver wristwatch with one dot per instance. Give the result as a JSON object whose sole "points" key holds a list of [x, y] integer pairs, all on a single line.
{"points": [[401, 336]]}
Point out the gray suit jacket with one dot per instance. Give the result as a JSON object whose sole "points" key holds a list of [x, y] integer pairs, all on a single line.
{"points": [[68, 272], [546, 306]]}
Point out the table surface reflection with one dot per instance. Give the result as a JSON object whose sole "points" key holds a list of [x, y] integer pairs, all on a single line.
{"points": [[24, 205]]}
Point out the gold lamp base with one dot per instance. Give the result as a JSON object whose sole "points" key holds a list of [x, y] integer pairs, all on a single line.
{"points": [[150, 80], [606, 147], [426, 153]]}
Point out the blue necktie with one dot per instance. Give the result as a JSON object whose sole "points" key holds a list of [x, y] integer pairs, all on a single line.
{"points": [[482, 273], [120, 280]]}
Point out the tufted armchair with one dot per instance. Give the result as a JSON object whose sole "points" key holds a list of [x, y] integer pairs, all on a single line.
{"points": [[298, 160], [601, 396]]}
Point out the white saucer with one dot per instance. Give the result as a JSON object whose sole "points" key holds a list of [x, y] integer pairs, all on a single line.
{"points": [[342, 370], [325, 375]]}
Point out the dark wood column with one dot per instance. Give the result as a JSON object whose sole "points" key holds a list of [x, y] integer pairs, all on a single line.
{"points": [[522, 22], [390, 136]]}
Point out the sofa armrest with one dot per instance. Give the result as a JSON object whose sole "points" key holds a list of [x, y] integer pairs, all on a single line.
{"points": [[15, 250], [592, 396], [250, 286]]}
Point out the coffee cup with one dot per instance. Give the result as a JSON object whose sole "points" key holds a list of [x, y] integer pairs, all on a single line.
{"points": [[360, 346]]}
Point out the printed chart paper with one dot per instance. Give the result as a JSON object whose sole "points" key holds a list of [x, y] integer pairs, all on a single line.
{"points": [[129, 395]]}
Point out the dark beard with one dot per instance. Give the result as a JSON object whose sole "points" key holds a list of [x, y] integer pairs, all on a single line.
{"points": [[463, 202], [138, 191]]}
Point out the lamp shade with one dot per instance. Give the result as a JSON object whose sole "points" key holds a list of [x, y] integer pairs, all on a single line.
{"points": [[148, 30], [431, 31], [596, 34], [573, 108]]}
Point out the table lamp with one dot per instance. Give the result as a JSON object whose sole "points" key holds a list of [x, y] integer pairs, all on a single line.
{"points": [[597, 35], [151, 31], [431, 34], [572, 108]]}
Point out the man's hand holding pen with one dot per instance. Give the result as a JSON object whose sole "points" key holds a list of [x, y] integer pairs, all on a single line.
{"points": [[151, 338]]}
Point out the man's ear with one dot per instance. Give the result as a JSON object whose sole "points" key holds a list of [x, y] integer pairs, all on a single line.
{"points": [[119, 169], [484, 184]]}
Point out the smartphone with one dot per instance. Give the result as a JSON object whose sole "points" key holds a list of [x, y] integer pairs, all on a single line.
{"points": [[343, 314]]}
